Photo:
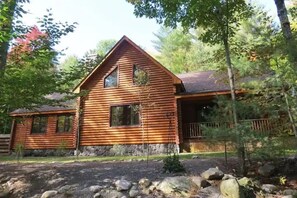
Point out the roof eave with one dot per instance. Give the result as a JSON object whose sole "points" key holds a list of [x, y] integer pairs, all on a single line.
{"points": [[42, 112]]}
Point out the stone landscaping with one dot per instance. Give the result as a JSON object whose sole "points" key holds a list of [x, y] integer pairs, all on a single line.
{"points": [[204, 178]]}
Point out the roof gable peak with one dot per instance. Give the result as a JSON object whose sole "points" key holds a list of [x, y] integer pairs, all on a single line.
{"points": [[176, 80]]}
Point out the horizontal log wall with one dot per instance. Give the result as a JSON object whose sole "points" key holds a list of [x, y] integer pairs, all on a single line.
{"points": [[95, 126], [49, 140]]}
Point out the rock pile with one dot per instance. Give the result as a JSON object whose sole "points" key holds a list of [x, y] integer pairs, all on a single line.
{"points": [[211, 183]]}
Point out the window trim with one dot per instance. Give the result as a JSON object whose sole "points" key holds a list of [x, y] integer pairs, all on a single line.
{"points": [[57, 123], [32, 125], [124, 126], [118, 72]]}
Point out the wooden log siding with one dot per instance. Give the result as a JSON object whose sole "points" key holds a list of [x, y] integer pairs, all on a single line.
{"points": [[49, 140], [95, 126]]}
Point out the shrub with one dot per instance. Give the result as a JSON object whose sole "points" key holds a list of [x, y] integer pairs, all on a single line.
{"points": [[172, 164], [61, 148], [19, 150]]}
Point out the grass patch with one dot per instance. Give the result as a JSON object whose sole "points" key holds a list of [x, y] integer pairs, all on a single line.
{"points": [[69, 159]]}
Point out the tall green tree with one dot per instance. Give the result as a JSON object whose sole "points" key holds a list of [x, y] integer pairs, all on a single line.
{"points": [[262, 51], [69, 62], [219, 19], [73, 69], [9, 11], [30, 72], [182, 51], [287, 31]]}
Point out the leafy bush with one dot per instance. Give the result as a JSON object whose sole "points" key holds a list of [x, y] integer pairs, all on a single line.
{"points": [[172, 164], [19, 150], [270, 149], [61, 148]]}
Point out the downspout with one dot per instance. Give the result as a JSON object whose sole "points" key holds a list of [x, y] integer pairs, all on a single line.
{"points": [[77, 126]]}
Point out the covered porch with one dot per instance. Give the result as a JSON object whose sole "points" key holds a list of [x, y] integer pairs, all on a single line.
{"points": [[194, 113]]}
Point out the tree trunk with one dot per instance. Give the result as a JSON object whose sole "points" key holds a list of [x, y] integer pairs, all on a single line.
{"points": [[292, 121], [239, 144], [6, 28], [286, 29]]}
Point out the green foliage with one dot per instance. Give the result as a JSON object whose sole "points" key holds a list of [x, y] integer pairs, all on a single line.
{"points": [[19, 150], [172, 164], [217, 18], [182, 51], [68, 63], [269, 149], [104, 46], [30, 74], [282, 180], [61, 148], [74, 69]]}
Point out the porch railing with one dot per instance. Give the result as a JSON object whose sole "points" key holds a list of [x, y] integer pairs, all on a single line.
{"points": [[195, 130]]}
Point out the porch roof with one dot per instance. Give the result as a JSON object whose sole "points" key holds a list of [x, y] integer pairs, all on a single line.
{"points": [[209, 81], [67, 106]]}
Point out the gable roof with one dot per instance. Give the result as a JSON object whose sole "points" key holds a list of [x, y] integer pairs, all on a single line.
{"points": [[176, 80]]}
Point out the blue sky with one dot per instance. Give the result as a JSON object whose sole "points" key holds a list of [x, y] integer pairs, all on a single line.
{"points": [[98, 20]]}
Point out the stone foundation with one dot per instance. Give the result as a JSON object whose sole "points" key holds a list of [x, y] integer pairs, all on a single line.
{"points": [[48, 152], [115, 150], [132, 150]]}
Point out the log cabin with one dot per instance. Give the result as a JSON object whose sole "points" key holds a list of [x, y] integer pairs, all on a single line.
{"points": [[160, 114]]}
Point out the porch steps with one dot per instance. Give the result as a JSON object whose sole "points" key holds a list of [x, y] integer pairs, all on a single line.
{"points": [[4, 144]]}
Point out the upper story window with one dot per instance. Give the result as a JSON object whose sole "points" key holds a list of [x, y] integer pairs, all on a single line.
{"points": [[64, 123], [112, 79], [124, 115], [140, 76], [39, 124]]}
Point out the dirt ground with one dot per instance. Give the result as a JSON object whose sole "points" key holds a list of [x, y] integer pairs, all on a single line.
{"points": [[33, 179]]}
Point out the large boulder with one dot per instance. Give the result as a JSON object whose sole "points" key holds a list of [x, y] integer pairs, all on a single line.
{"points": [[95, 188], [245, 182], [266, 170], [180, 186], [269, 188], [212, 174], [109, 194], [290, 192], [200, 182], [230, 189], [123, 185], [210, 191], [49, 193], [134, 193], [144, 183]]}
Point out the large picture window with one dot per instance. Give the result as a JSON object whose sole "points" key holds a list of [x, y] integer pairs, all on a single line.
{"points": [[124, 115], [112, 79], [64, 123], [39, 124], [140, 76]]}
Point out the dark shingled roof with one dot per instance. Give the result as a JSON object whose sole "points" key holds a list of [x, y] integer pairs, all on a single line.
{"points": [[68, 105], [204, 81]]}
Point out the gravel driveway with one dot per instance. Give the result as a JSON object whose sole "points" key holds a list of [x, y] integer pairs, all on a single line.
{"points": [[32, 179]]}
